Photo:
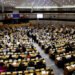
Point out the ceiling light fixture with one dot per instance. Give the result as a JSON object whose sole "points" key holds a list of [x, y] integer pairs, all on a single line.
{"points": [[44, 7]]}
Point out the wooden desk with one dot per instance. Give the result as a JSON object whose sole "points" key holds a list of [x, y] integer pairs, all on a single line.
{"points": [[69, 69]]}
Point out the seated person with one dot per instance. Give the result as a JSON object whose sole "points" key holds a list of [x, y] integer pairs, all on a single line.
{"points": [[21, 67], [0, 46], [28, 55], [23, 48], [2, 67], [40, 64], [31, 64], [10, 68], [38, 55]]}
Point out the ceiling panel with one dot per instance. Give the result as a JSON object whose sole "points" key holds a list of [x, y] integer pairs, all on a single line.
{"points": [[37, 3]]}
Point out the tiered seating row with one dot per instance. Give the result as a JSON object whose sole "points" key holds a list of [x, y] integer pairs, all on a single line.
{"points": [[59, 43], [18, 56]]}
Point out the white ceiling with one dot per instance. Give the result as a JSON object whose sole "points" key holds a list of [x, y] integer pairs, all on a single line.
{"points": [[38, 3]]}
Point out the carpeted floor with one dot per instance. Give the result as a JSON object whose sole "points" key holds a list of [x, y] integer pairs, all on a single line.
{"points": [[49, 62]]}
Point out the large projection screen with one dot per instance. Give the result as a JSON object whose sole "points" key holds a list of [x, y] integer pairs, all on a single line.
{"points": [[39, 15]]}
